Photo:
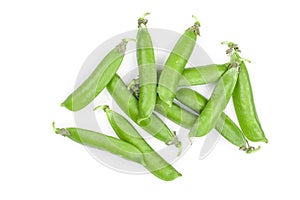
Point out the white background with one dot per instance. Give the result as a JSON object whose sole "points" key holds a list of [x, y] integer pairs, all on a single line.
{"points": [[42, 47]]}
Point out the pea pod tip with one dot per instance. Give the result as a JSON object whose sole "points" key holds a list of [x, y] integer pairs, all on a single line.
{"points": [[60, 131]]}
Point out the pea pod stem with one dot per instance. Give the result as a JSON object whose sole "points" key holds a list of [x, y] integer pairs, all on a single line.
{"points": [[142, 21]]}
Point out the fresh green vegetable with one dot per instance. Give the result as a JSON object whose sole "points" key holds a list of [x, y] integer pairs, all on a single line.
{"points": [[244, 102], [102, 142], [202, 75], [218, 101], [225, 126], [129, 104], [154, 162], [147, 70], [175, 64], [98, 80]]}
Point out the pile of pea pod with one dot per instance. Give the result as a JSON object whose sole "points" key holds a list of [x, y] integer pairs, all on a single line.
{"points": [[151, 93]]}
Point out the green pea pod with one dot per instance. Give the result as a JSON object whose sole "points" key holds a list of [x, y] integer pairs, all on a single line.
{"points": [[245, 107], [216, 104], [175, 64], [103, 142], [129, 104], [154, 162], [225, 126], [147, 71], [98, 80], [202, 75]]}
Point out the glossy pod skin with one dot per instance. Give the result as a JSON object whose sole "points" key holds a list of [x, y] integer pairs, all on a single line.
{"points": [[98, 80], [147, 70], [129, 104], [175, 64], [245, 108], [103, 142], [154, 162], [202, 75], [225, 126], [216, 104]]}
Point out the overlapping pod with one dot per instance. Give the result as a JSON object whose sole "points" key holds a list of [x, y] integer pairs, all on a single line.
{"points": [[202, 75], [147, 70], [175, 64], [129, 104], [153, 161], [195, 101], [216, 104], [225, 126], [98, 80]]}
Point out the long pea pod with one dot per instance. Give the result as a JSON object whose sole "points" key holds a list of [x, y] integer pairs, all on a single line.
{"points": [[153, 161], [129, 104], [147, 70], [202, 75], [175, 64], [245, 108], [98, 79], [102, 142], [216, 104], [244, 102]]}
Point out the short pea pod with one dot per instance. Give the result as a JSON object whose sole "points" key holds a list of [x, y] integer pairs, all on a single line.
{"points": [[245, 108], [102, 142], [175, 64], [225, 126], [154, 162], [98, 79], [216, 104], [202, 75], [129, 104], [147, 70]]}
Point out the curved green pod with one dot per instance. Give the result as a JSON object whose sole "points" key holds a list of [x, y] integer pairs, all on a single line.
{"points": [[174, 66], [103, 142], [245, 108], [98, 79], [153, 161]]}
